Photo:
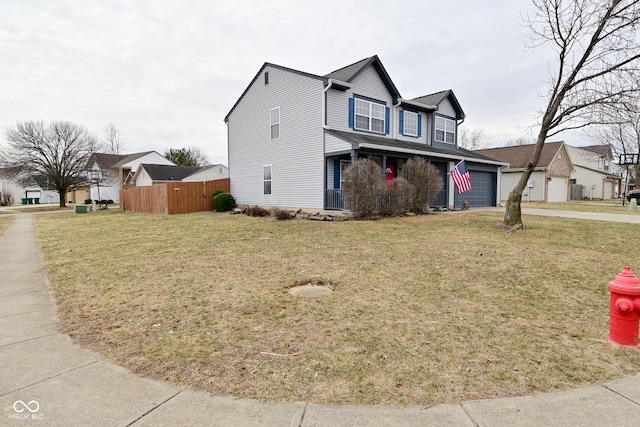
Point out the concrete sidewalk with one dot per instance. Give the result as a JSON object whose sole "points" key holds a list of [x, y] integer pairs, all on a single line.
{"points": [[45, 379]]}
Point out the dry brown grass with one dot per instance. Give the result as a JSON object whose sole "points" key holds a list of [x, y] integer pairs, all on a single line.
{"points": [[604, 206], [425, 309], [5, 220]]}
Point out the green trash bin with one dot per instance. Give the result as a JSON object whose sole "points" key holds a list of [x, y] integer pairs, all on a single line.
{"points": [[24, 201], [81, 209], [36, 200], [29, 200]]}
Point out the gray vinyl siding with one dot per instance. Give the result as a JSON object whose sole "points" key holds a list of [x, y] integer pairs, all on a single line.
{"points": [[333, 144], [296, 157], [446, 109], [423, 138], [368, 84]]}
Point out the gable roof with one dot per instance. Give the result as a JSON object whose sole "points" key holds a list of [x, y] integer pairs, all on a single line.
{"points": [[279, 67], [169, 172], [438, 97], [519, 156], [114, 161], [358, 140], [604, 150], [131, 157], [350, 72], [104, 160]]}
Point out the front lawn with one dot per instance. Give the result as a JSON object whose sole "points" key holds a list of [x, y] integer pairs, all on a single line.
{"points": [[425, 309]]}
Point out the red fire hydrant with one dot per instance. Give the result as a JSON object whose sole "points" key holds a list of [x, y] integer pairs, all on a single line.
{"points": [[624, 310]]}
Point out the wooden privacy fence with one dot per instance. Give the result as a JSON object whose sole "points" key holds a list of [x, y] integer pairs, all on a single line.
{"points": [[168, 198]]}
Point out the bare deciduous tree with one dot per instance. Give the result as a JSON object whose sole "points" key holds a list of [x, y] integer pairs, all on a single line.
{"points": [[58, 151], [597, 51], [623, 136], [113, 141], [473, 139], [519, 141]]}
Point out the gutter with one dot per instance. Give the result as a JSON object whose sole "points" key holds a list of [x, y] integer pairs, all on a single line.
{"points": [[431, 154]]}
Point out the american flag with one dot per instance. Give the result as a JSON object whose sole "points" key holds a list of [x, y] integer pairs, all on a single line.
{"points": [[461, 177]]}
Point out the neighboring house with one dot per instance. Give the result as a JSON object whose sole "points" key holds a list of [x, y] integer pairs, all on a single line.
{"points": [[549, 181], [115, 169], [37, 187], [292, 134], [595, 176], [209, 173], [147, 174]]}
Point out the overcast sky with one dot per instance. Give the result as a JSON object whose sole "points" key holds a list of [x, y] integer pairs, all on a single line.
{"points": [[167, 72]]}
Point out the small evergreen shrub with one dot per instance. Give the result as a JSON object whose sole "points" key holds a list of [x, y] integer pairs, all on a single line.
{"points": [[215, 193], [87, 201], [223, 202], [257, 211]]}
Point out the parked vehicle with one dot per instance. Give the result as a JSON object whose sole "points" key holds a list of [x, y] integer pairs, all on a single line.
{"points": [[634, 194]]}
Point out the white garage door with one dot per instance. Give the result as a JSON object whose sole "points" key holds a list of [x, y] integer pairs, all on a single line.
{"points": [[557, 189]]}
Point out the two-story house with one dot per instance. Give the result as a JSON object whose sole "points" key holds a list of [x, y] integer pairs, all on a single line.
{"points": [[291, 135], [595, 175]]}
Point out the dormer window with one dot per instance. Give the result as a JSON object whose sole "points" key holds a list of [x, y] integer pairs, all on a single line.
{"points": [[445, 130], [410, 123], [369, 116]]}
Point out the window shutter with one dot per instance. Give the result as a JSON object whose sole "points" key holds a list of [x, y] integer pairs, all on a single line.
{"points": [[336, 174], [401, 122], [419, 125], [351, 112], [386, 120]]}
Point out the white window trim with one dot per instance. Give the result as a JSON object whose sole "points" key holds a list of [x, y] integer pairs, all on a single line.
{"points": [[406, 114], [369, 116], [270, 180], [444, 130], [272, 124]]}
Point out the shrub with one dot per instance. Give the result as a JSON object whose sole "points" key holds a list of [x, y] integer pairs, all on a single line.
{"points": [[223, 202], [282, 215], [363, 187], [397, 197], [87, 201], [426, 181], [215, 193], [257, 211], [109, 202]]}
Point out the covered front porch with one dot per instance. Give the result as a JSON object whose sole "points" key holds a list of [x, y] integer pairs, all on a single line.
{"points": [[344, 148], [391, 165]]}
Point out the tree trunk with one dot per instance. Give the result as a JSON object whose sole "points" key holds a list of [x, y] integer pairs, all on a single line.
{"points": [[513, 212], [63, 202]]}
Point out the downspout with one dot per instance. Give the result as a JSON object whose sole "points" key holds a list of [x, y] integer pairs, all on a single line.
{"points": [[395, 127], [324, 143], [324, 104], [458, 124]]}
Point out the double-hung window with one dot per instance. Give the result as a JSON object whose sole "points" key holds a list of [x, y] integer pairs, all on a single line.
{"points": [[445, 130], [275, 123], [369, 116], [266, 179], [410, 123]]}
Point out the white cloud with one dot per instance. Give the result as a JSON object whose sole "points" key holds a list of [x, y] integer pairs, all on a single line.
{"points": [[167, 72]]}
